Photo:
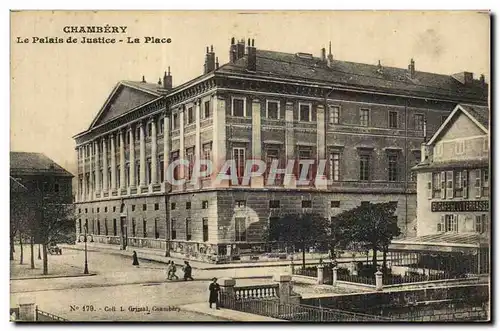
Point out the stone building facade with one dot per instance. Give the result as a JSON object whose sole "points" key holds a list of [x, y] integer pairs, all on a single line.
{"points": [[366, 121]]}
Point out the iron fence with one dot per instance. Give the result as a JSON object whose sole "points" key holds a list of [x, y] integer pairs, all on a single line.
{"points": [[356, 279], [308, 272], [294, 312]]}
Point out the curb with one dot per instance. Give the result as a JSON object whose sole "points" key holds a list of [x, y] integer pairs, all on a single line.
{"points": [[55, 276]]}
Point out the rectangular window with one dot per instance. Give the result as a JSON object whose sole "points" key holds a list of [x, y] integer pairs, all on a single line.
{"points": [[174, 157], [114, 209], [150, 130], [148, 171], [306, 203], [175, 121], [133, 207], [105, 209], [451, 223], [161, 126], [305, 113], [205, 229], [207, 155], [274, 204], [127, 174], [161, 170], [486, 183], [86, 210], [241, 203], [97, 209], [114, 227], [478, 185], [144, 207], [190, 158], [157, 206], [188, 228], [157, 233], [204, 204], [481, 223], [190, 115], [133, 227], [240, 229], [449, 184], [305, 154], [392, 167], [436, 185], [173, 229], [364, 117], [273, 109], [364, 167], [56, 187], [172, 206], [335, 204], [272, 155], [443, 184], [206, 109], [460, 147], [458, 184], [334, 115], [335, 166], [188, 204], [419, 122], [106, 226], [393, 119], [238, 107], [144, 228], [239, 159]]}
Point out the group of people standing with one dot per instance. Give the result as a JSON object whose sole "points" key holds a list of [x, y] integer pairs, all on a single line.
{"points": [[214, 287]]}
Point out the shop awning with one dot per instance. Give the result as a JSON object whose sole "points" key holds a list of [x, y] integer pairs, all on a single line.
{"points": [[442, 242]]}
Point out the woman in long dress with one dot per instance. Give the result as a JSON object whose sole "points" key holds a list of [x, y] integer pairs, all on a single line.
{"points": [[135, 259]]}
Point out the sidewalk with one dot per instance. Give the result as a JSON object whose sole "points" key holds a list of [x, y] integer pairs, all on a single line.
{"points": [[227, 314], [158, 256]]}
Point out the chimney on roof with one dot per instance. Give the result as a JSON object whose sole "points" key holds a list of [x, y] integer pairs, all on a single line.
{"points": [[323, 55], [232, 52], [411, 69], [217, 63], [167, 80], [466, 78], [252, 56], [209, 60], [379, 68], [329, 60], [143, 79], [240, 49]]}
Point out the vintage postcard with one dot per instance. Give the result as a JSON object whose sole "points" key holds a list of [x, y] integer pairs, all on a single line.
{"points": [[250, 166]]}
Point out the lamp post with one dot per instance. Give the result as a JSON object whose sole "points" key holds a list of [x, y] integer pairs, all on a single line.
{"points": [[85, 236]]}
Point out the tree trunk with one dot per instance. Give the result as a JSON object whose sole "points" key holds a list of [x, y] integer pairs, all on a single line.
{"points": [[32, 249], [45, 260], [12, 248], [21, 257], [303, 256], [374, 259]]}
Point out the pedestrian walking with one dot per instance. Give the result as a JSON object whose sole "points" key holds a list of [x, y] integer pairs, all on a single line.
{"points": [[187, 271], [135, 259], [214, 289], [171, 271]]}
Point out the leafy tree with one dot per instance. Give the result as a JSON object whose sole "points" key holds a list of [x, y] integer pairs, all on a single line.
{"points": [[372, 227], [300, 230], [339, 236]]}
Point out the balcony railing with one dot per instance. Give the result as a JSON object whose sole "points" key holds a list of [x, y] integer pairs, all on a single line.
{"points": [[256, 291]]}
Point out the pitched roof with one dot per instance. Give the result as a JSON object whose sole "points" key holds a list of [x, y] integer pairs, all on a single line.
{"points": [[292, 66], [16, 186], [478, 114], [155, 89], [26, 163]]}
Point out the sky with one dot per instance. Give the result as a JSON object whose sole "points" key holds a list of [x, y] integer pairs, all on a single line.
{"points": [[58, 89]]}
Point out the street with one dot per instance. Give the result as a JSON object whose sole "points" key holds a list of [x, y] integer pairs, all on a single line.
{"points": [[116, 290]]}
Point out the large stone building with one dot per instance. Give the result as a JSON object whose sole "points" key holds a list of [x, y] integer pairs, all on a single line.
{"points": [[367, 121]]}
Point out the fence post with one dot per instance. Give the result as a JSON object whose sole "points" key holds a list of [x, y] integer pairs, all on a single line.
{"points": [[292, 267], [320, 279], [378, 281], [334, 276], [27, 309], [354, 268], [227, 290], [285, 287]]}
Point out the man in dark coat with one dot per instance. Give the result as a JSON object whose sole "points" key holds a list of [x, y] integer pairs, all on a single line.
{"points": [[214, 289], [135, 259], [187, 271]]}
